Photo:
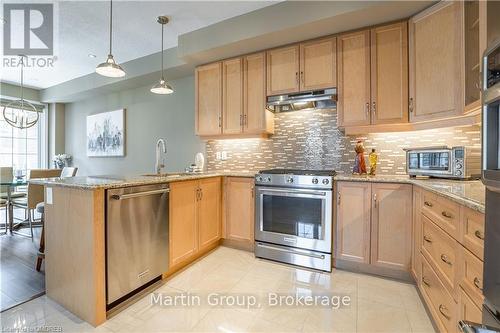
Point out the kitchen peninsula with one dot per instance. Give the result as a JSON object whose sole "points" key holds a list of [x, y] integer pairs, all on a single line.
{"points": [[75, 217]]}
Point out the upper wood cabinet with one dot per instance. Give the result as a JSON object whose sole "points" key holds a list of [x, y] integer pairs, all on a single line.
{"points": [[239, 209], [353, 106], [208, 99], [391, 228], [302, 67], [318, 64], [283, 70], [373, 76], [436, 62], [232, 96], [389, 74]]}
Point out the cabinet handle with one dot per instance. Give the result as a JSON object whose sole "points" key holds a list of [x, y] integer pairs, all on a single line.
{"points": [[446, 214], [424, 281], [220, 121], [411, 105], [375, 200], [302, 77], [198, 194], [297, 77], [477, 283], [374, 110], [245, 120], [241, 120], [338, 198], [201, 194], [427, 239], [367, 109], [442, 309], [428, 204], [479, 235], [445, 259]]}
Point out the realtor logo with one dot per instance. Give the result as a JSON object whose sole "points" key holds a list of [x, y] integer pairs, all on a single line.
{"points": [[28, 29]]}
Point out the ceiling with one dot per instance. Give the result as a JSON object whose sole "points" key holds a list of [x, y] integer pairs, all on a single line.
{"points": [[82, 28]]}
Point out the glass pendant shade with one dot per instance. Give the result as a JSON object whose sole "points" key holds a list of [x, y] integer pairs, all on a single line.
{"points": [[110, 68], [162, 88]]}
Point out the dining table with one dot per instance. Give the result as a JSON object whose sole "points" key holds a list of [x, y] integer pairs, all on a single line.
{"points": [[12, 184]]}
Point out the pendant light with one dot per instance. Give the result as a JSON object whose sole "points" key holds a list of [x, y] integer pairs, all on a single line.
{"points": [[110, 68], [23, 114], [162, 87]]}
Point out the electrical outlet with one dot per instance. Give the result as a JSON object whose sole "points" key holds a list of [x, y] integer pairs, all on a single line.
{"points": [[224, 155], [218, 156]]}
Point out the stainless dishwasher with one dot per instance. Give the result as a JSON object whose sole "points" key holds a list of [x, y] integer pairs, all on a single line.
{"points": [[136, 238]]}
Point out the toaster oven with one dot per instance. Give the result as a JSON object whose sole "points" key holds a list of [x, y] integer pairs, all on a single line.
{"points": [[444, 162]]}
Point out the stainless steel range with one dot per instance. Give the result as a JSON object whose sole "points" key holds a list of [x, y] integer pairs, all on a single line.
{"points": [[294, 217]]}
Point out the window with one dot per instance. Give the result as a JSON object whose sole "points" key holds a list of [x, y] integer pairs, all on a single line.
{"points": [[20, 148]]}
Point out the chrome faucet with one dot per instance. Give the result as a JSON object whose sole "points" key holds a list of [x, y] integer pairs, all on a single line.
{"points": [[160, 144]]}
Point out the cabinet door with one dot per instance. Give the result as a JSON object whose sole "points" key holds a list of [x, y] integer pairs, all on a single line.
{"points": [[354, 78], [353, 221], [391, 226], [318, 64], [182, 224], [232, 96], [208, 97], [436, 57], [254, 97], [468, 309], [283, 70], [209, 212], [239, 209], [389, 74], [416, 268]]}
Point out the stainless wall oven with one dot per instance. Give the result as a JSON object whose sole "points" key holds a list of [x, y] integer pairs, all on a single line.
{"points": [[293, 217]]}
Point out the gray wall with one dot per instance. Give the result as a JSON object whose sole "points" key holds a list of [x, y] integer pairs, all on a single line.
{"points": [[148, 117]]}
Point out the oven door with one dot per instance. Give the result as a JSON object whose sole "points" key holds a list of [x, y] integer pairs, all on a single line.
{"points": [[299, 218], [431, 162]]}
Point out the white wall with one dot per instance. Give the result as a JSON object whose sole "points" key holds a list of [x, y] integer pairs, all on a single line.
{"points": [[148, 117]]}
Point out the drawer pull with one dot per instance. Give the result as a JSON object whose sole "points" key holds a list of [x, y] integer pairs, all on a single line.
{"points": [[427, 239], [445, 259], [477, 283], [442, 309], [446, 214], [479, 235], [428, 204], [424, 281]]}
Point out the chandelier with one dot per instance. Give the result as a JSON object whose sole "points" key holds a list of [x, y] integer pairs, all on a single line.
{"points": [[21, 113]]}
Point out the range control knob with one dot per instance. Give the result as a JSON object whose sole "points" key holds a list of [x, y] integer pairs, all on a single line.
{"points": [[258, 178], [268, 179], [315, 180], [458, 172], [289, 179], [326, 181], [458, 165]]}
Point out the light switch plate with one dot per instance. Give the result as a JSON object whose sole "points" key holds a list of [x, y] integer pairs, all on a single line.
{"points": [[48, 195]]}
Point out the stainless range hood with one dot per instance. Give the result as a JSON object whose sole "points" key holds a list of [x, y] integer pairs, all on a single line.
{"points": [[317, 99]]}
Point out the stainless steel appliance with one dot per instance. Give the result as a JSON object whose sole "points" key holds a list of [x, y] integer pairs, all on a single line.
{"points": [[294, 217], [491, 178], [136, 239], [444, 162], [317, 99]]}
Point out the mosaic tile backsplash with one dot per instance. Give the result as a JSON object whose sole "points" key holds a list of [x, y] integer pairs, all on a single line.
{"points": [[312, 140]]}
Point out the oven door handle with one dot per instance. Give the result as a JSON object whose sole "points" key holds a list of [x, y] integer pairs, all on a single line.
{"points": [[312, 192], [312, 255]]}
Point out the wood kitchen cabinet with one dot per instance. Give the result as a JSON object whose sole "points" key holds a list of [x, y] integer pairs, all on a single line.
{"points": [[194, 219], [417, 236], [283, 69], [239, 203], [391, 226], [208, 99], [373, 76], [436, 57], [232, 96], [369, 230]]}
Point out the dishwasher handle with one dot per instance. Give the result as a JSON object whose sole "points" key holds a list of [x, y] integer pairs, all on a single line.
{"points": [[138, 194]]}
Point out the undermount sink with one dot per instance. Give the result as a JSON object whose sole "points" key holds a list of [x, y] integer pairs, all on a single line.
{"points": [[166, 174]]}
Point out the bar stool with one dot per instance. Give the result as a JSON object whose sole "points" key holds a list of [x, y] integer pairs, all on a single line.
{"points": [[40, 208]]}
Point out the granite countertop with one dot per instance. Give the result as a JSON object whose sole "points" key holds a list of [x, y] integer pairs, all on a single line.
{"points": [[114, 181], [470, 193]]}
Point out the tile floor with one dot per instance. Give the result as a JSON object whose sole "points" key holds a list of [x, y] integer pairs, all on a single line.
{"points": [[377, 305]]}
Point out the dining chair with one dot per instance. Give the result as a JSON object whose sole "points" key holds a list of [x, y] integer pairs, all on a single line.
{"points": [[7, 174], [35, 194]]}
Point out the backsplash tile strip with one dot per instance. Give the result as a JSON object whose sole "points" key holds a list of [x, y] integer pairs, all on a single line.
{"points": [[312, 140]]}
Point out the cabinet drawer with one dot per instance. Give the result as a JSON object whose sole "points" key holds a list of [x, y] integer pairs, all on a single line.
{"points": [[471, 276], [472, 231], [468, 309], [441, 251], [441, 211], [441, 304]]}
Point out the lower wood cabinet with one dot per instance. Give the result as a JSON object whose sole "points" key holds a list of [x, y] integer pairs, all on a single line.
{"points": [[416, 268], [194, 219], [239, 209], [468, 310], [369, 229]]}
